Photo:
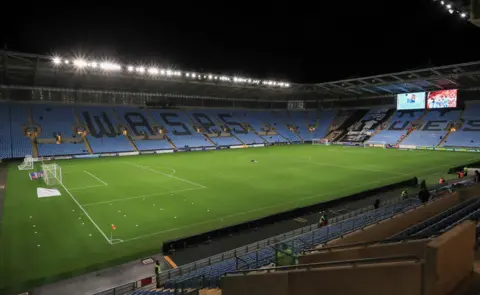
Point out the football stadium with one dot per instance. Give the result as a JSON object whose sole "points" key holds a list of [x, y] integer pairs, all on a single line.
{"points": [[123, 178]]}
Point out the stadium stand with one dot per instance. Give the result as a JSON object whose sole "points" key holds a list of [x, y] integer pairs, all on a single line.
{"points": [[62, 149], [53, 120], [468, 135], [418, 260], [367, 125], [5, 137], [179, 129], [104, 136], [433, 129], [21, 145], [397, 128]]}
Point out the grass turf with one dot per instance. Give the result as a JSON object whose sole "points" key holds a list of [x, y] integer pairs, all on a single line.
{"points": [[155, 198]]}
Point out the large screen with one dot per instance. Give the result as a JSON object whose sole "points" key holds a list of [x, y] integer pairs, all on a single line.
{"points": [[411, 101], [442, 99]]}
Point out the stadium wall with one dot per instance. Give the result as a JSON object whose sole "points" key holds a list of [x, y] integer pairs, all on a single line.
{"points": [[399, 222], [288, 215]]}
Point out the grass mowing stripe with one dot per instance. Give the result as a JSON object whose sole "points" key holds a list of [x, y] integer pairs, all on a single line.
{"points": [[167, 175], [95, 177]]}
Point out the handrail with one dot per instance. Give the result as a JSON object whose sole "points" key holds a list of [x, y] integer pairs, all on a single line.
{"points": [[330, 263], [164, 276], [406, 239]]}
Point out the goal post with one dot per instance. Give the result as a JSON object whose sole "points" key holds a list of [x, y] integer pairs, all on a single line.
{"points": [[52, 174], [320, 141], [27, 163], [380, 144]]}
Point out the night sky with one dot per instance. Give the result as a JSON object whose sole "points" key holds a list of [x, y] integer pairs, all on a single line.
{"points": [[296, 41]]}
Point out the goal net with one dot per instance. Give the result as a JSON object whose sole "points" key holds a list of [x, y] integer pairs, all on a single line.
{"points": [[320, 141], [27, 163], [380, 144], [52, 174]]}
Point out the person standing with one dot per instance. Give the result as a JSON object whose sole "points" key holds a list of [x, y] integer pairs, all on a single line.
{"points": [[157, 273], [376, 205]]}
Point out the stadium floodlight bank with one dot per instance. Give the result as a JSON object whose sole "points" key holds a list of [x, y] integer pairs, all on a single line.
{"points": [[320, 141], [52, 174], [27, 163]]}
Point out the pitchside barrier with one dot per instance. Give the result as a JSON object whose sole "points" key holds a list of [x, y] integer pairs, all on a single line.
{"points": [[255, 247]]}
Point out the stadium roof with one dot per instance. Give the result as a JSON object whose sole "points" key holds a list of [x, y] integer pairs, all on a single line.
{"points": [[20, 70]]}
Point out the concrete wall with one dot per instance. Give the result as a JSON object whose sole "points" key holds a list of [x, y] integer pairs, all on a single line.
{"points": [[415, 248], [374, 279], [450, 258], [402, 221]]}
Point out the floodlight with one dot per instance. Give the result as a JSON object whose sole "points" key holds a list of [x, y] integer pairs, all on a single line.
{"points": [[80, 63], [130, 68], [66, 62], [57, 60], [93, 64], [463, 15], [287, 85], [153, 71], [169, 72], [210, 77], [442, 2], [141, 70], [187, 74], [449, 6], [163, 72], [451, 11], [108, 66], [194, 75], [178, 73]]}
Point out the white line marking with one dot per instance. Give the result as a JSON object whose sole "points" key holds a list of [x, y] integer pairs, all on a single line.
{"points": [[95, 177], [164, 174], [352, 167], [142, 196], [220, 219], [85, 212], [86, 187]]}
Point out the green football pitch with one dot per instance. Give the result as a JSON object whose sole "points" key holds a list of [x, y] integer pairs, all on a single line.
{"points": [[155, 198]]}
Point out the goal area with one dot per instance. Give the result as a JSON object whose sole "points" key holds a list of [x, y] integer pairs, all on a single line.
{"points": [[52, 174]]}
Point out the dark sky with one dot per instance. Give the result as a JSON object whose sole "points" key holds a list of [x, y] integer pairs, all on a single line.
{"points": [[296, 41]]}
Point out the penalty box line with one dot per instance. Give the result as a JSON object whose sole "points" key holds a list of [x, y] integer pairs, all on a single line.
{"points": [[164, 174], [274, 206], [86, 214], [142, 196], [221, 219]]}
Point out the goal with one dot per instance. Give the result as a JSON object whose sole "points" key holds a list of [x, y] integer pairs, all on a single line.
{"points": [[52, 174], [27, 163], [380, 144], [320, 141]]}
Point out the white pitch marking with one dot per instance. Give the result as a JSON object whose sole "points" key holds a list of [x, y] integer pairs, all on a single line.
{"points": [[95, 177], [142, 196], [352, 167], [86, 187], [164, 174], [86, 214], [272, 206]]}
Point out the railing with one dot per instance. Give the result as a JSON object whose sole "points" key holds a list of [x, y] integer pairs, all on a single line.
{"points": [[282, 238], [330, 263]]}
